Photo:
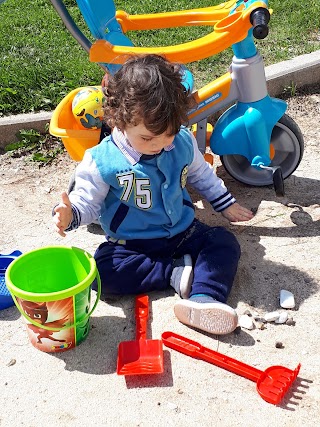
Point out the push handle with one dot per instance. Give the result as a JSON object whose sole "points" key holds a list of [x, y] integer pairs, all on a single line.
{"points": [[142, 314], [197, 351], [259, 19]]}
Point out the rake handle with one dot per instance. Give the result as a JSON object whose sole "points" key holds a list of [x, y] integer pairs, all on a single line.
{"points": [[197, 351], [141, 314]]}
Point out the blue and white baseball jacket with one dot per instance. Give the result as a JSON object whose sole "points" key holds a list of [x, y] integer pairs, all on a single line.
{"points": [[143, 197]]}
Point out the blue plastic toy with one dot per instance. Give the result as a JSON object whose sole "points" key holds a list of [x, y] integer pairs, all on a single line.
{"points": [[5, 296]]}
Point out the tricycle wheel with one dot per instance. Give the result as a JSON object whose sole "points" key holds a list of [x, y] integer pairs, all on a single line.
{"points": [[286, 150]]}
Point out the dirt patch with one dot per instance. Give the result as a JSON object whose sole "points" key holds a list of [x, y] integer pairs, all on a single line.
{"points": [[29, 189], [280, 250]]}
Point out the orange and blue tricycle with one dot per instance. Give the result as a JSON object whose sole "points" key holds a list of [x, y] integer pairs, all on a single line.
{"points": [[258, 143]]}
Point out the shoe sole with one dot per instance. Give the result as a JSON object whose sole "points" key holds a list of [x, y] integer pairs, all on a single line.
{"points": [[216, 318], [187, 277]]}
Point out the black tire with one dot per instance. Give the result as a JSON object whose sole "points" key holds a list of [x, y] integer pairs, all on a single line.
{"points": [[288, 144]]}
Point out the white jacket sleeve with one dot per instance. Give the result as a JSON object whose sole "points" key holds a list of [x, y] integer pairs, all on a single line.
{"points": [[202, 177], [88, 194]]}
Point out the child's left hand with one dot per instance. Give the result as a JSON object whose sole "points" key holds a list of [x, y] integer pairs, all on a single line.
{"points": [[236, 213]]}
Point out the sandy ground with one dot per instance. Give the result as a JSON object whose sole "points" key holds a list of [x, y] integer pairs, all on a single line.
{"points": [[80, 387]]}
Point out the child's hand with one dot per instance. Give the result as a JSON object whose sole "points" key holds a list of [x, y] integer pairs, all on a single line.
{"points": [[236, 213], [63, 214]]}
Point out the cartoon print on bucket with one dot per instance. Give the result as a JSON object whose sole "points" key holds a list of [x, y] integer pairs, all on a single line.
{"points": [[56, 314]]}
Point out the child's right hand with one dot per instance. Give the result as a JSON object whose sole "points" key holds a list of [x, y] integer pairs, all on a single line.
{"points": [[63, 214]]}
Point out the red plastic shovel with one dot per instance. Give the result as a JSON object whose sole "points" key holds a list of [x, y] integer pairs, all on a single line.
{"points": [[141, 356], [272, 384]]}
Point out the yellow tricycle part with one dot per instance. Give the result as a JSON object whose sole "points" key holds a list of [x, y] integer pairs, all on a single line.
{"points": [[208, 132], [182, 18], [272, 151], [227, 31], [64, 126], [208, 157], [210, 94]]}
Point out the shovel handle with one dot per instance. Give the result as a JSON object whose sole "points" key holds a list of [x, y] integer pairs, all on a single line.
{"points": [[142, 314]]}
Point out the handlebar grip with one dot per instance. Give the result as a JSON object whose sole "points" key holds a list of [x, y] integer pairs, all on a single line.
{"points": [[260, 18]]}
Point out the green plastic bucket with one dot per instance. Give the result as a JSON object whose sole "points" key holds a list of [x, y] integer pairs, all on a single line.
{"points": [[51, 288]]}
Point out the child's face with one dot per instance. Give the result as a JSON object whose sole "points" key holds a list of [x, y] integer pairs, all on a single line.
{"points": [[144, 141]]}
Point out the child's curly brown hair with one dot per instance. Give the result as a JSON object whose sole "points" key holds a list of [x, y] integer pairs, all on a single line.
{"points": [[147, 89]]}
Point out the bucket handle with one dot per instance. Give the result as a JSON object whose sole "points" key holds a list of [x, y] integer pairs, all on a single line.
{"points": [[39, 325]]}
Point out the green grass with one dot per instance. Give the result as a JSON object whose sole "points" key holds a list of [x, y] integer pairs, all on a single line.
{"points": [[41, 62], [35, 146]]}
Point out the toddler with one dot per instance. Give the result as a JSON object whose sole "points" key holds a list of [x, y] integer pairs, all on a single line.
{"points": [[135, 181]]}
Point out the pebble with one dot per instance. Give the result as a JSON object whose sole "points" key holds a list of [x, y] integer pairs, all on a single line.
{"points": [[245, 321], [282, 318], [173, 407], [286, 299], [260, 325], [279, 344], [272, 316], [315, 98], [290, 322]]}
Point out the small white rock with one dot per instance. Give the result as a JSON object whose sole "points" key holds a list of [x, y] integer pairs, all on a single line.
{"points": [[172, 406], [282, 318], [272, 316], [286, 299], [246, 322]]}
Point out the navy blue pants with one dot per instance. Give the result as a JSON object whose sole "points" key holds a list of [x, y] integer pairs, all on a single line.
{"points": [[142, 266]]}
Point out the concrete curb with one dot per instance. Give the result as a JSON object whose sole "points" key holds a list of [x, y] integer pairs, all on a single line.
{"points": [[304, 70], [10, 125], [301, 71]]}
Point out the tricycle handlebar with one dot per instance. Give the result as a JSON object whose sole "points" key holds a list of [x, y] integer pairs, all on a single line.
{"points": [[259, 19]]}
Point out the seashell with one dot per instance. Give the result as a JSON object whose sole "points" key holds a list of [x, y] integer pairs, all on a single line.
{"points": [[286, 299], [271, 316], [246, 322], [282, 318]]}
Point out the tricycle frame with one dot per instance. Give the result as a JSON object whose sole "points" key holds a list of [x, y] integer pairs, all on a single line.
{"points": [[257, 142]]}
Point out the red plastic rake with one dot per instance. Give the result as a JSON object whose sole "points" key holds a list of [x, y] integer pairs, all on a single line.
{"points": [[272, 384]]}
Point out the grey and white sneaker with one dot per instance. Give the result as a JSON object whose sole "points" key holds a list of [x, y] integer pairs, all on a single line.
{"points": [[214, 317], [182, 276]]}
